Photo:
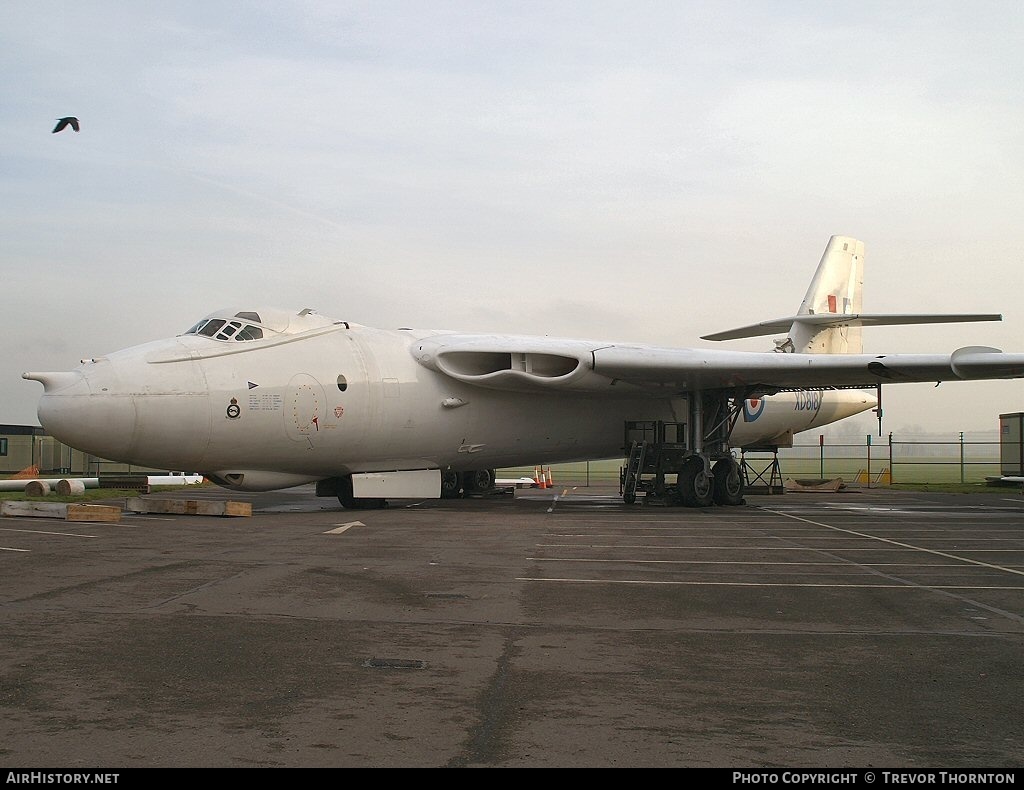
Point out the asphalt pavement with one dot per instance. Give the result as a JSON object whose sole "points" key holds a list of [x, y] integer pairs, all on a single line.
{"points": [[544, 628]]}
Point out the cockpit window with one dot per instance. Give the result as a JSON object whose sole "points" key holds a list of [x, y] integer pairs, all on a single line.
{"points": [[219, 329], [210, 327], [249, 333], [250, 317]]}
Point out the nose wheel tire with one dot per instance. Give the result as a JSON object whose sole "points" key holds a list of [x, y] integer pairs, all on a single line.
{"points": [[350, 502]]}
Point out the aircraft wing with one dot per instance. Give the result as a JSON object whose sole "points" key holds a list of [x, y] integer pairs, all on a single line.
{"points": [[546, 364], [703, 370]]}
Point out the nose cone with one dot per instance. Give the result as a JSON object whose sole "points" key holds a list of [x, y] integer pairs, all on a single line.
{"points": [[146, 405], [87, 410]]}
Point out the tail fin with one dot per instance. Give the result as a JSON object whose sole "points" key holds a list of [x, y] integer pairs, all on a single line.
{"points": [[829, 320], [837, 288]]}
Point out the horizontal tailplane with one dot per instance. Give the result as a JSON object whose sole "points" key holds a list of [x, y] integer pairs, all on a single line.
{"points": [[829, 320]]}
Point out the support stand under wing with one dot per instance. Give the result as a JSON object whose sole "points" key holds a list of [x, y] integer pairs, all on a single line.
{"points": [[768, 479]]}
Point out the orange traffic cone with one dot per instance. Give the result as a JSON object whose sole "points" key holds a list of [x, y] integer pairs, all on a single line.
{"points": [[551, 480]]}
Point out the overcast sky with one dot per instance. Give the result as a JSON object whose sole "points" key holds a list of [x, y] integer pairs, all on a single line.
{"points": [[636, 171]]}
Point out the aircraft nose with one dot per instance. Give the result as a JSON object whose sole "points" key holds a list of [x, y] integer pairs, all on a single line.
{"points": [[86, 409], [146, 405]]}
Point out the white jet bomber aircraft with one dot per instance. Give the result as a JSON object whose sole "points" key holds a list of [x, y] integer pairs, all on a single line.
{"points": [[260, 399]]}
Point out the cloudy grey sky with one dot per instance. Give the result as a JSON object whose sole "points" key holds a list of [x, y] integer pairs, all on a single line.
{"points": [[641, 171]]}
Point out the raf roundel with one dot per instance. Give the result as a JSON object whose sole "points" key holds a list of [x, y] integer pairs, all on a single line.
{"points": [[752, 409]]}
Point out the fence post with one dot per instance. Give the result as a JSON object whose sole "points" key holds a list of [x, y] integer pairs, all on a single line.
{"points": [[961, 457], [891, 476], [821, 456], [868, 436]]}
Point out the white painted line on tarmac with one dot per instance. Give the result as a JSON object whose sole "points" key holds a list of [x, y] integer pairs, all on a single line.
{"points": [[909, 509], [905, 547], [753, 562], [43, 532], [909, 546], [959, 536], [5, 548], [768, 584]]}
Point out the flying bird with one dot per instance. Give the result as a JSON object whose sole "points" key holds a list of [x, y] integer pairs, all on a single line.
{"points": [[63, 122]]}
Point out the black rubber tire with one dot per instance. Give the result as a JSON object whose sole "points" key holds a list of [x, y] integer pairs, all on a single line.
{"points": [[479, 480], [451, 484], [349, 502], [729, 483], [696, 489]]}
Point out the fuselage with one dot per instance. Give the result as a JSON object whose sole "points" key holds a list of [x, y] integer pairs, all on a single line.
{"points": [[335, 399]]}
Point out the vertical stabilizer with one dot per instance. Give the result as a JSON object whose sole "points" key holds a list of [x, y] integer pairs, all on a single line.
{"points": [[837, 288]]}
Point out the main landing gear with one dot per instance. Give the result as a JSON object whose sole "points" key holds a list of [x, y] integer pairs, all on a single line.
{"points": [[697, 487], [696, 452], [724, 486]]}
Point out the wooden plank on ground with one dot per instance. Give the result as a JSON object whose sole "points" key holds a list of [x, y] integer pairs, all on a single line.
{"points": [[63, 510], [82, 512], [189, 507], [21, 509], [237, 508]]}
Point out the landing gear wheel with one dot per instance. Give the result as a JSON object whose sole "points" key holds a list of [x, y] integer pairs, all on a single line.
{"points": [[479, 480], [729, 483], [696, 487], [350, 502], [451, 484]]}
